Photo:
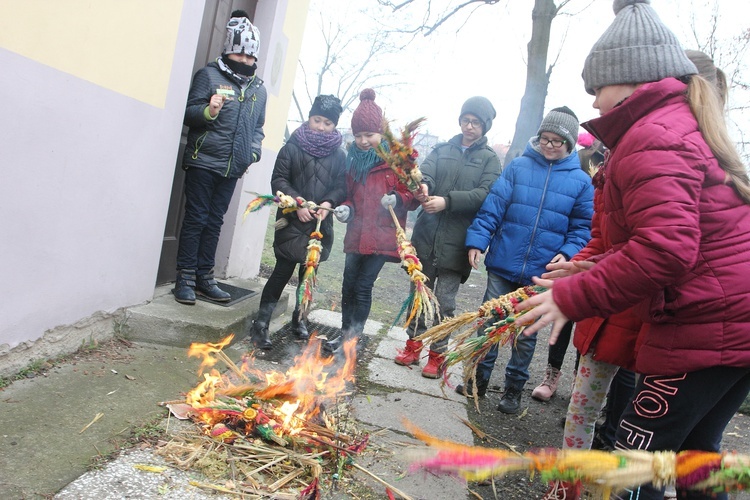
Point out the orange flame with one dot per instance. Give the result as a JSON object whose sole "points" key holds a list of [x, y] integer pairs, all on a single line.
{"points": [[312, 381]]}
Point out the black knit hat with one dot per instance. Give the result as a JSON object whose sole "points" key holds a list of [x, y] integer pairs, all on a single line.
{"points": [[328, 106], [482, 108]]}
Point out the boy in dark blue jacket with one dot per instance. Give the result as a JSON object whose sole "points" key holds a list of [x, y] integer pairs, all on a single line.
{"points": [[225, 111]]}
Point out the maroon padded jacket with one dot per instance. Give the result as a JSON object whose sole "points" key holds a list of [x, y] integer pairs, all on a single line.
{"points": [[371, 230], [680, 238]]}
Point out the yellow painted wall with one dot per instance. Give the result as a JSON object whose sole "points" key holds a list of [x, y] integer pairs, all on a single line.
{"points": [[278, 108], [126, 46]]}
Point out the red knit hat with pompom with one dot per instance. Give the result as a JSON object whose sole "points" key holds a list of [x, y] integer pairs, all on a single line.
{"points": [[368, 117]]}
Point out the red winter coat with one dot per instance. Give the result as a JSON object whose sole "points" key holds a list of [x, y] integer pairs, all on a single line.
{"points": [[612, 340], [680, 238], [371, 230]]}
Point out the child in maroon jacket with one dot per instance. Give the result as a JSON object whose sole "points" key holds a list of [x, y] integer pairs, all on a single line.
{"points": [[677, 204], [370, 239]]}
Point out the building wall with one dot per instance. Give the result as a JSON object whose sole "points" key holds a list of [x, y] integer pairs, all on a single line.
{"points": [[94, 101]]}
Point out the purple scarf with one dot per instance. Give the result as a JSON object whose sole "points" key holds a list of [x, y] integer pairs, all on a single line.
{"points": [[317, 144]]}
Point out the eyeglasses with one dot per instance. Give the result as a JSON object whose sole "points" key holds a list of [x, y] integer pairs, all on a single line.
{"points": [[555, 143], [474, 123]]}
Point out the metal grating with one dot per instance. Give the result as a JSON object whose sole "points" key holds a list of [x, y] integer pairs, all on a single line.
{"points": [[286, 345]]}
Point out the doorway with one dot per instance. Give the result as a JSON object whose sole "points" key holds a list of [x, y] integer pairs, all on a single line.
{"points": [[210, 45]]}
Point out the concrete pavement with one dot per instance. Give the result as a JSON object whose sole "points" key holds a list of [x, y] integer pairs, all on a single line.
{"points": [[47, 446]]}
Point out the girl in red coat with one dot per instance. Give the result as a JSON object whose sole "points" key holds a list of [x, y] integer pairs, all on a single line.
{"points": [[677, 214], [370, 241]]}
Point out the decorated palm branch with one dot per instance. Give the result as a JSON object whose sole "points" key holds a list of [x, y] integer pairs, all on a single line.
{"points": [[285, 202], [290, 204], [600, 472], [498, 322], [401, 156], [421, 300], [310, 278]]}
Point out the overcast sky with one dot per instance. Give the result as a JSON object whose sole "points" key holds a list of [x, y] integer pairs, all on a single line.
{"points": [[486, 56]]}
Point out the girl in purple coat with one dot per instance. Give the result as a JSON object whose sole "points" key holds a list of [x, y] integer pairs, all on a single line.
{"points": [[677, 211]]}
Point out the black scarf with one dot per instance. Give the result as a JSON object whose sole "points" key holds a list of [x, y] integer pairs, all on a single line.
{"points": [[239, 68]]}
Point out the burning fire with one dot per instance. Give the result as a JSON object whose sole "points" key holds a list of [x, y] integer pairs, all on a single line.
{"points": [[271, 404]]}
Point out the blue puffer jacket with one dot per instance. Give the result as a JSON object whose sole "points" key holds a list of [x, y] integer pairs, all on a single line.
{"points": [[535, 210], [231, 142]]}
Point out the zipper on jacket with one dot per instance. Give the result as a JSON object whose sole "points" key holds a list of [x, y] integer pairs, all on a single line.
{"points": [[198, 144], [241, 99], [536, 223]]}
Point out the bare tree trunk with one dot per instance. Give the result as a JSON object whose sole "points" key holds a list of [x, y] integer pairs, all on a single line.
{"points": [[537, 78]]}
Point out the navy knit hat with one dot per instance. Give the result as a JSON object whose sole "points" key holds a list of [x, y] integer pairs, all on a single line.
{"points": [[636, 48], [328, 106], [482, 108]]}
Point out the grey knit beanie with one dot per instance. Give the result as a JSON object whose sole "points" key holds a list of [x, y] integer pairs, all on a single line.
{"points": [[482, 108], [563, 122], [636, 48]]}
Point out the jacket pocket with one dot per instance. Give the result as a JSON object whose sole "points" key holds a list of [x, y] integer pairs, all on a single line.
{"points": [[198, 143]]}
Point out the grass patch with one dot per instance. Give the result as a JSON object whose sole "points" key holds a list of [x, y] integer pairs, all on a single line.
{"points": [[391, 287]]}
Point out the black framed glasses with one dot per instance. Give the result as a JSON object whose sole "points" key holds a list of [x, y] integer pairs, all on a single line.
{"points": [[474, 123], [555, 143]]}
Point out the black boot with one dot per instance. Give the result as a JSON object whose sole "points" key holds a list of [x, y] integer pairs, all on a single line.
{"points": [[468, 390], [184, 287], [207, 287], [299, 326], [511, 401], [335, 347], [332, 346], [261, 337]]}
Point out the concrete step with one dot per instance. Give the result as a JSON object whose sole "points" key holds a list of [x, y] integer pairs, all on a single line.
{"points": [[167, 322]]}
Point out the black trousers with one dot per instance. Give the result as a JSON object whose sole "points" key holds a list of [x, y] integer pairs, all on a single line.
{"points": [[280, 276], [682, 412]]}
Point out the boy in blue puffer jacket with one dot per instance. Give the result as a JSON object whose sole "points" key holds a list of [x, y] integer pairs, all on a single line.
{"points": [[539, 211]]}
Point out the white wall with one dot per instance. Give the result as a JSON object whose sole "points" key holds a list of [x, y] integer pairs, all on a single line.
{"points": [[86, 179]]}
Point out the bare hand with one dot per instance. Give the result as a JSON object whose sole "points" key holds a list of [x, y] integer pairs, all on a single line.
{"points": [[563, 269], [215, 104], [322, 214], [304, 215], [434, 205], [422, 195], [558, 258], [474, 257], [544, 309]]}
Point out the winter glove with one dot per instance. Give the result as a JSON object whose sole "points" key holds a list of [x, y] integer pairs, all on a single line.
{"points": [[343, 213], [389, 200]]}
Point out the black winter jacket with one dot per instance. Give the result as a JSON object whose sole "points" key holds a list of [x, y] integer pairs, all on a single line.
{"points": [[463, 178], [231, 142], [297, 173]]}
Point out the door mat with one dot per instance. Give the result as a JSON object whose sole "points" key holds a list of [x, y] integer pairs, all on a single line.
{"points": [[236, 294]]}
